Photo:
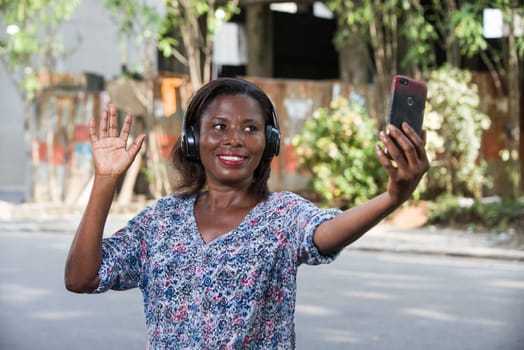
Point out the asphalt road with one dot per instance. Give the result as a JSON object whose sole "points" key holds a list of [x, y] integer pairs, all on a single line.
{"points": [[363, 300]]}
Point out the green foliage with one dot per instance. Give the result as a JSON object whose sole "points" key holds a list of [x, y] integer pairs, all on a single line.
{"points": [[387, 25], [454, 128], [421, 35], [337, 148], [466, 24], [139, 21], [135, 18], [194, 22], [181, 13], [33, 45], [497, 214], [420, 27]]}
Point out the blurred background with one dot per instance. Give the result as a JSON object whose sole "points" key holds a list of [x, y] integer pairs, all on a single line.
{"points": [[64, 61], [327, 66]]}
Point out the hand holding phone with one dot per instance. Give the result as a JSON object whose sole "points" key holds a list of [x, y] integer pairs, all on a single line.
{"points": [[405, 165], [407, 102]]}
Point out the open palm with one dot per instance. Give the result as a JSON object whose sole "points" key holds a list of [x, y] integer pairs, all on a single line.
{"points": [[111, 155]]}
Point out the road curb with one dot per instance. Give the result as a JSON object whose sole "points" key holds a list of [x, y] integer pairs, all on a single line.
{"points": [[515, 256], [379, 239]]}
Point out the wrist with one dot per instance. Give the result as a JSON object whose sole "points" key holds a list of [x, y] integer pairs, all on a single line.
{"points": [[105, 182], [391, 202]]}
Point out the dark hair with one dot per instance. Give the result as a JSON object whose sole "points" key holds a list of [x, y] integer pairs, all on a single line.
{"points": [[193, 177]]}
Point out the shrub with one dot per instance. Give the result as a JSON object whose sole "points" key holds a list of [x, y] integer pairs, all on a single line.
{"points": [[337, 148], [454, 129], [496, 214]]}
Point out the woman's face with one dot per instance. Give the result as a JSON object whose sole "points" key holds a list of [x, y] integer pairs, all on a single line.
{"points": [[232, 140]]}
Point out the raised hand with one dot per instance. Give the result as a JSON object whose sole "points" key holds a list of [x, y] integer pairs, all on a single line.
{"points": [[406, 161], [111, 155]]}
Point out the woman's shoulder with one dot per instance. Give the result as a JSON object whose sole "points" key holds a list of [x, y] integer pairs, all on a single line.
{"points": [[279, 195], [294, 201], [170, 203], [287, 198]]}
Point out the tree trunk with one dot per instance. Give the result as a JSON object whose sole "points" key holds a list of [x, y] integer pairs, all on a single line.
{"points": [[259, 26], [355, 61], [514, 112]]}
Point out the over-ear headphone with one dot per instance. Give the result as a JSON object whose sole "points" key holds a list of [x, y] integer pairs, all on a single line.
{"points": [[190, 136], [190, 140], [272, 136]]}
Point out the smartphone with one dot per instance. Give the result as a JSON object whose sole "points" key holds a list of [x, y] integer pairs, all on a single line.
{"points": [[407, 102]]}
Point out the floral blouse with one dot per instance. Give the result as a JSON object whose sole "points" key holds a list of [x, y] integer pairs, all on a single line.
{"points": [[235, 292]]}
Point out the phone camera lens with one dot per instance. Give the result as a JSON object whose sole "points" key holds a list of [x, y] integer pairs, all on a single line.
{"points": [[403, 81]]}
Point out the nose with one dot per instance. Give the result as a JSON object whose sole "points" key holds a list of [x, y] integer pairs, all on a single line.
{"points": [[233, 137]]}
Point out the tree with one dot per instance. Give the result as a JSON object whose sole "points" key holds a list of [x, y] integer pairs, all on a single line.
{"points": [[195, 21], [461, 23], [404, 36], [391, 29], [141, 22], [454, 127], [504, 64], [32, 45]]}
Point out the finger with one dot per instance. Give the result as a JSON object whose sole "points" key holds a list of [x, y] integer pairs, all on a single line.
{"points": [[389, 146], [418, 155], [410, 143], [92, 130], [393, 140], [126, 128], [103, 124], [413, 136], [113, 123], [136, 146], [385, 160]]}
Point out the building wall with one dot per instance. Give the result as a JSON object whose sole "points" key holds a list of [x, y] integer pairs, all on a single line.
{"points": [[13, 160]]}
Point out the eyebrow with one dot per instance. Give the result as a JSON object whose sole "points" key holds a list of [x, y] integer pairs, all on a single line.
{"points": [[222, 117]]}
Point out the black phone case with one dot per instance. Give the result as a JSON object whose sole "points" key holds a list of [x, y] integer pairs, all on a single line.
{"points": [[407, 102]]}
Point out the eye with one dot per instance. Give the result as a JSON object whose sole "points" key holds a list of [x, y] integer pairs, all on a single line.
{"points": [[251, 128], [219, 126]]}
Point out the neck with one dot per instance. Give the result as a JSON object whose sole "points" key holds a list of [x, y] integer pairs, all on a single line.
{"points": [[224, 198]]}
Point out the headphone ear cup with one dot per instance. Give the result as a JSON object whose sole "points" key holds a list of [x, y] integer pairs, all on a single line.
{"points": [[190, 143], [272, 142]]}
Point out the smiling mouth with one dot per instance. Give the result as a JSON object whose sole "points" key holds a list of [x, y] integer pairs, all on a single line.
{"points": [[232, 161], [232, 158]]}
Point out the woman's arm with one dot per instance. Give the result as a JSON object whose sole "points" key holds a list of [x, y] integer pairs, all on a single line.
{"points": [[405, 163], [111, 160]]}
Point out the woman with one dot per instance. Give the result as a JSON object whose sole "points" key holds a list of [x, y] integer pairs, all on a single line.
{"points": [[217, 262]]}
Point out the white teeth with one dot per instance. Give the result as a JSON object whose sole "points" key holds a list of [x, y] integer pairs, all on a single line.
{"points": [[231, 158]]}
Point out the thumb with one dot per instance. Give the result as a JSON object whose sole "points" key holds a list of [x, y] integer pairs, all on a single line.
{"points": [[136, 146]]}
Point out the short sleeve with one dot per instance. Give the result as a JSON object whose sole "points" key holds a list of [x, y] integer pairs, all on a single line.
{"points": [[122, 256], [305, 217], [308, 251]]}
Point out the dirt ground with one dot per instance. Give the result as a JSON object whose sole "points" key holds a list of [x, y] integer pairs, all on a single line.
{"points": [[409, 217]]}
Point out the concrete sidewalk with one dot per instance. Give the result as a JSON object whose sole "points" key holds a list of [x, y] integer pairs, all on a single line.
{"points": [[437, 241], [384, 237]]}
